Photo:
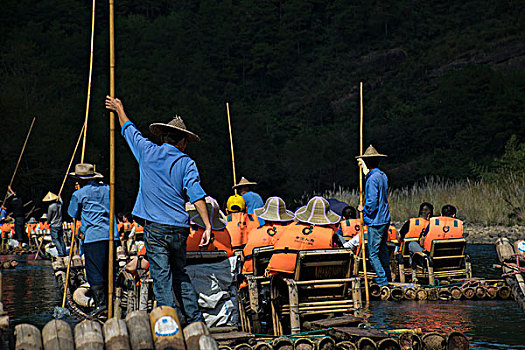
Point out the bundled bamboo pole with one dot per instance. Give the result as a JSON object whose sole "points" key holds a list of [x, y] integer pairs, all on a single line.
{"points": [[231, 145], [361, 233], [111, 157], [18, 162]]}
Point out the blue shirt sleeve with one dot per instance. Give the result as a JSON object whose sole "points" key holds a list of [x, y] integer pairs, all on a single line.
{"points": [[74, 206], [372, 197], [137, 143], [2, 214], [192, 183]]}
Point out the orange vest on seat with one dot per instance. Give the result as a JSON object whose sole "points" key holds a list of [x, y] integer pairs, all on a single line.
{"points": [[7, 228], [30, 227], [260, 237], [416, 227], [392, 233], [221, 240], [443, 227], [299, 237], [239, 226], [138, 228], [351, 227]]}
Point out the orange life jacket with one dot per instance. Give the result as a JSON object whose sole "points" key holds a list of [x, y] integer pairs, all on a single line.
{"points": [[299, 237], [76, 229], [221, 240], [7, 228], [443, 227], [42, 226], [392, 233], [261, 237], [416, 227], [138, 228], [351, 227], [30, 227], [239, 226]]}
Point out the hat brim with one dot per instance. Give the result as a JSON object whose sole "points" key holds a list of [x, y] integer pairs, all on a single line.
{"points": [[371, 156], [260, 212], [95, 176], [218, 220], [328, 218], [244, 184], [160, 129]]}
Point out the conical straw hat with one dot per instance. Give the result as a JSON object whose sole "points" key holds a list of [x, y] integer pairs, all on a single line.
{"points": [[176, 124], [371, 152], [50, 196], [244, 182], [274, 210], [217, 218], [317, 212]]}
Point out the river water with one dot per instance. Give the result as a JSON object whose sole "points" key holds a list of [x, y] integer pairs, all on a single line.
{"points": [[30, 295]]}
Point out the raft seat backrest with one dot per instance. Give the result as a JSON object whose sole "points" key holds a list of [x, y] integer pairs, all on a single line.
{"points": [[321, 264], [404, 247], [205, 257], [448, 253], [261, 258]]}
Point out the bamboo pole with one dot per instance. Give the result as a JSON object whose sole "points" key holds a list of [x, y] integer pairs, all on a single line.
{"points": [[71, 161], [66, 282], [231, 145], [89, 82], [361, 233], [18, 162], [111, 157]]}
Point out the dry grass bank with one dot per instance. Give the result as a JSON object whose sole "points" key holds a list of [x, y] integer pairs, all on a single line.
{"points": [[501, 202]]}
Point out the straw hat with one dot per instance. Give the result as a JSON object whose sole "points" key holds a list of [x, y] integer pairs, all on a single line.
{"points": [[236, 203], [43, 217], [317, 212], [32, 220], [176, 124], [217, 218], [50, 197], [244, 182], [371, 152], [86, 171], [274, 210]]}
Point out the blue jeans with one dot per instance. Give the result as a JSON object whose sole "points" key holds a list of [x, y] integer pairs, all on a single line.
{"points": [[378, 253], [414, 247], [57, 236], [166, 252]]}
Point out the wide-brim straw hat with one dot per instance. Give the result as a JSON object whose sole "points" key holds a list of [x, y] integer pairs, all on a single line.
{"points": [[86, 171], [43, 217], [50, 197], [175, 125], [217, 217], [244, 182], [371, 152], [317, 212], [274, 210]]}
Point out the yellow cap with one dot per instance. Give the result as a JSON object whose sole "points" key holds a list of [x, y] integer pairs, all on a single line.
{"points": [[236, 203]]}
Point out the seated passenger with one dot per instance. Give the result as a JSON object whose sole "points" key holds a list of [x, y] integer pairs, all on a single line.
{"points": [[277, 219], [240, 223], [442, 227], [220, 237], [315, 230], [415, 227]]}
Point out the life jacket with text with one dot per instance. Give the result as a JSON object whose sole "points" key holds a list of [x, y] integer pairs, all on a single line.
{"points": [[351, 227], [7, 229], [30, 228], [443, 227], [76, 229], [239, 226], [138, 228], [299, 237], [263, 236], [220, 240], [392, 233], [416, 227]]}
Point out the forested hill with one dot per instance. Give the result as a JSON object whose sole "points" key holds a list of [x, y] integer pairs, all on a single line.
{"points": [[444, 85]]}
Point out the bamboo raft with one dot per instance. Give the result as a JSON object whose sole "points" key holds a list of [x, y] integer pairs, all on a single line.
{"points": [[140, 331], [512, 262]]}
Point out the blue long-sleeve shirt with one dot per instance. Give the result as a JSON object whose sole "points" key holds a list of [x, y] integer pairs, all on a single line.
{"points": [[90, 205], [2, 214], [253, 201], [168, 178], [376, 211]]}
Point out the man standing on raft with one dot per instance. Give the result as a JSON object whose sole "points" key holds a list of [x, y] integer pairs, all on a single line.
{"points": [[167, 177], [376, 213]]}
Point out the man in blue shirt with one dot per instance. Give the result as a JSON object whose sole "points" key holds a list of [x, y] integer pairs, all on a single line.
{"points": [[90, 205], [376, 213], [168, 179], [253, 200]]}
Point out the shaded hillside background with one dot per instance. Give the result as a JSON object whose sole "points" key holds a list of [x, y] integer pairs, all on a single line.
{"points": [[444, 86]]}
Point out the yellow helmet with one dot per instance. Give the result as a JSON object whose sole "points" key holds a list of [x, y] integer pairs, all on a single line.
{"points": [[236, 203]]}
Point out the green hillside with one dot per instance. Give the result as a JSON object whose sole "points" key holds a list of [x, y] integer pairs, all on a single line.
{"points": [[444, 85]]}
